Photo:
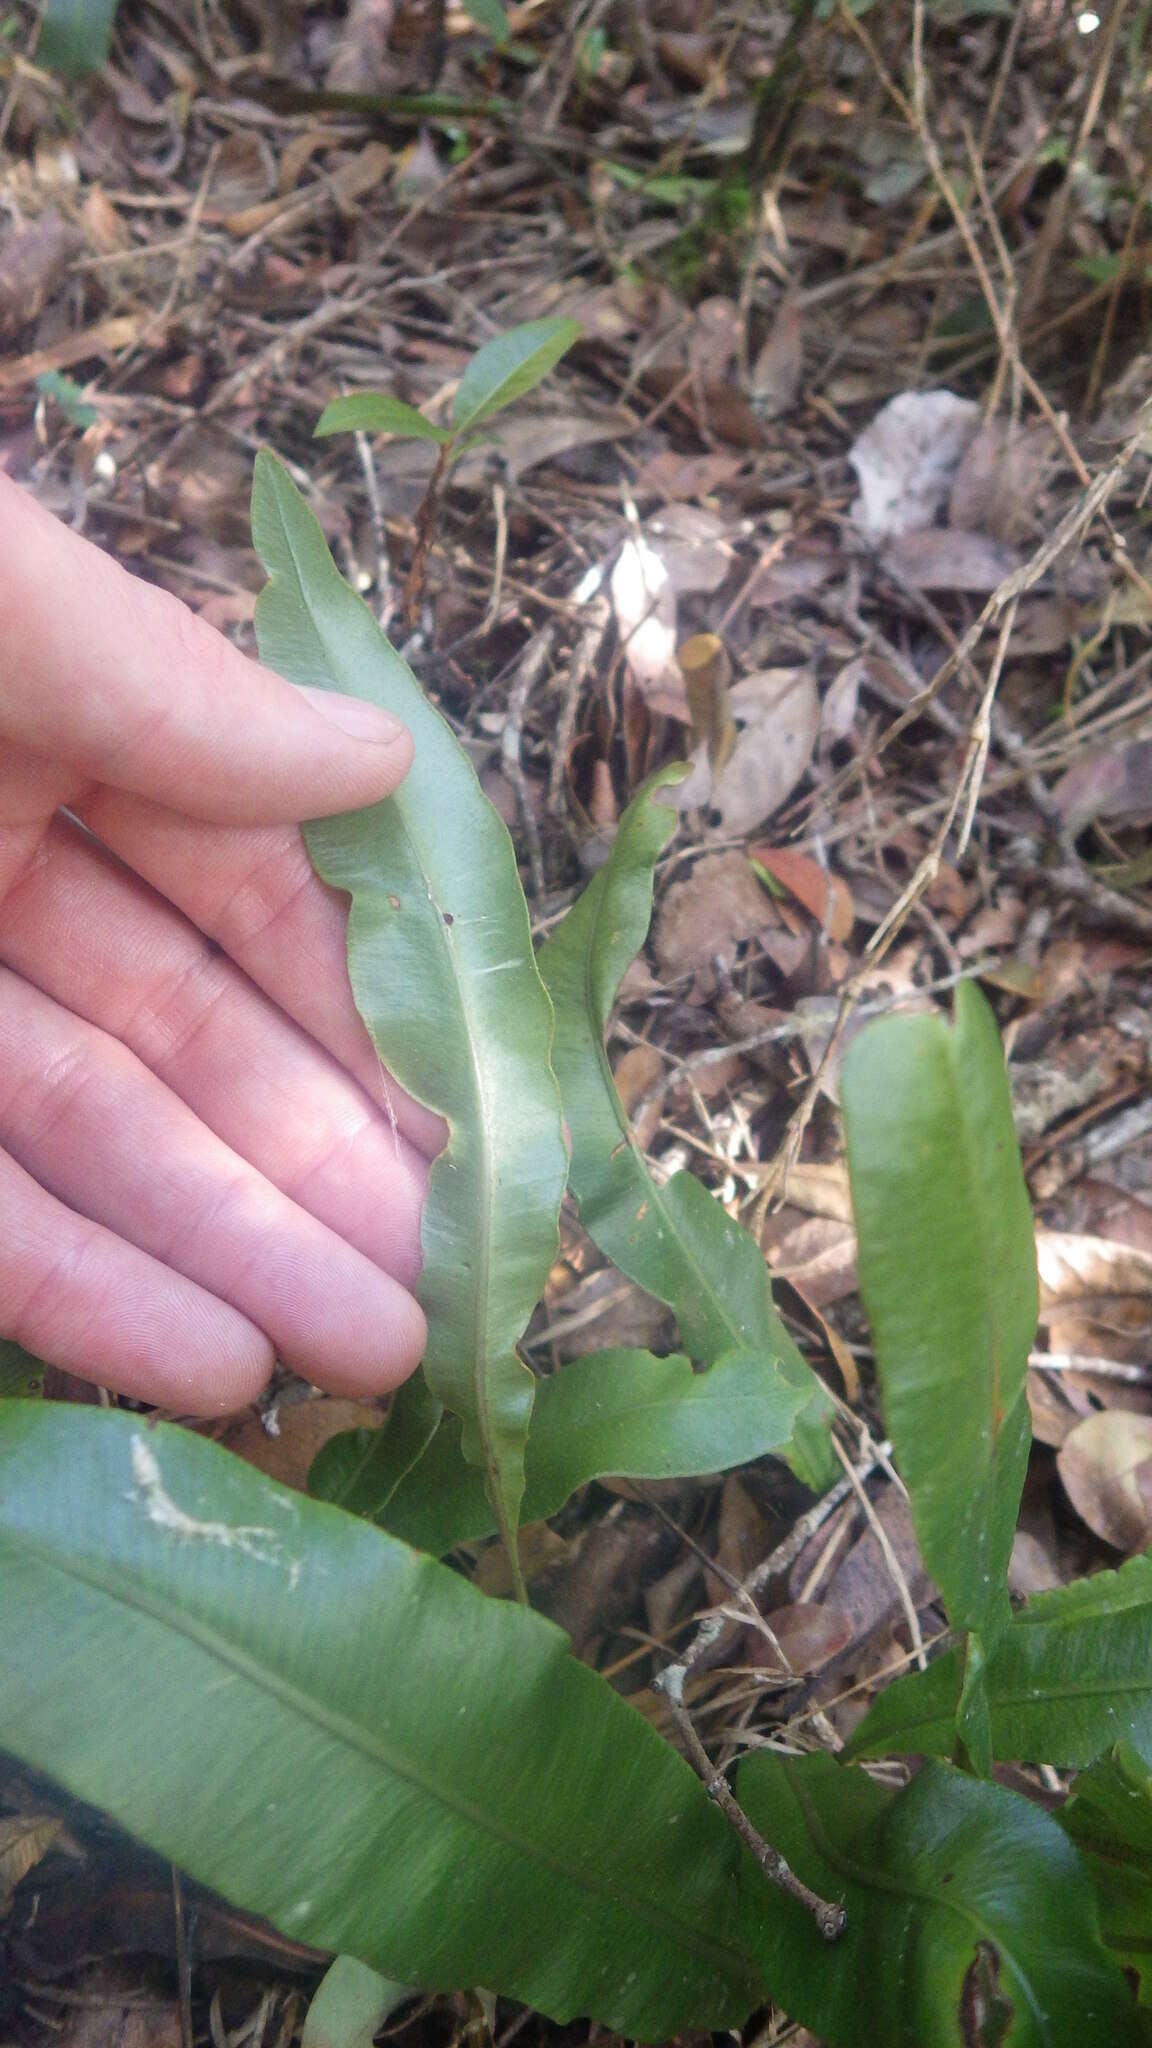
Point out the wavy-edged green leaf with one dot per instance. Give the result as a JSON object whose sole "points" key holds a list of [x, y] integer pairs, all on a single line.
{"points": [[75, 35], [360, 1469], [441, 964], [343, 1735], [508, 366], [374, 412], [948, 1278], [350, 2006], [971, 1920], [1071, 1675], [675, 1240], [1109, 1817], [20, 1373], [622, 1414]]}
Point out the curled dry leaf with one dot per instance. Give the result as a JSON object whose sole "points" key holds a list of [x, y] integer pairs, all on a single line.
{"points": [[302, 1430], [775, 381], [1075, 1267], [644, 602], [1105, 1464], [705, 918], [825, 896], [777, 715], [906, 458]]}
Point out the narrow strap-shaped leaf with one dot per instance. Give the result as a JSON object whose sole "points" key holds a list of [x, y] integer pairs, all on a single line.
{"points": [[351, 2004], [948, 1277], [675, 1240], [441, 963], [971, 1920], [622, 1414], [341, 1734], [1071, 1675]]}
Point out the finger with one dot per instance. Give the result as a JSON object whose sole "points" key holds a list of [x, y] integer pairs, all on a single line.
{"points": [[252, 889], [79, 1297], [121, 682], [102, 1134], [104, 945]]}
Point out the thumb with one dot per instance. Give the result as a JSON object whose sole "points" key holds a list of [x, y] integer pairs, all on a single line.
{"points": [[120, 683]]}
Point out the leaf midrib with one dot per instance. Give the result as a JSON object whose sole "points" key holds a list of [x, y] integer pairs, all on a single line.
{"points": [[353, 1736], [874, 1879], [481, 1269]]}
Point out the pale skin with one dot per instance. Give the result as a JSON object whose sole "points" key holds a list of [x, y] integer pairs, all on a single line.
{"points": [[202, 1164]]}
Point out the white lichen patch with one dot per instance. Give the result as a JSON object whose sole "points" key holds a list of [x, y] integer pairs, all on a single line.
{"points": [[162, 1511]]}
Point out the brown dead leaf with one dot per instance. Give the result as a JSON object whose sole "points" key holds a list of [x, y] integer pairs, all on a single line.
{"points": [[1076, 1267], [686, 477], [693, 545], [818, 1259], [637, 1073], [821, 1189], [999, 478], [945, 558], [304, 1427], [741, 1537], [826, 896], [105, 339], [707, 916], [808, 1637], [1114, 784], [712, 338], [906, 458], [777, 715], [1105, 1464], [25, 1839], [389, 46], [33, 260], [523, 440]]}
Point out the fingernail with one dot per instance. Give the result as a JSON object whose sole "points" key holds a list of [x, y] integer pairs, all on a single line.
{"points": [[359, 720]]}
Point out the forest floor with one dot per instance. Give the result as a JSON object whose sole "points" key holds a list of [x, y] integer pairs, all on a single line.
{"points": [[861, 394]]}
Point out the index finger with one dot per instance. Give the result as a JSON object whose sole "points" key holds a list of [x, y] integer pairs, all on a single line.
{"points": [[123, 685]]}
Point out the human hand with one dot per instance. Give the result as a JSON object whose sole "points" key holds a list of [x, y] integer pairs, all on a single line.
{"points": [[202, 1164]]}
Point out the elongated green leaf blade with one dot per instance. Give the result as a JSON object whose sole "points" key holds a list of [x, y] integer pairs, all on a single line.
{"points": [[350, 2006], [1071, 1675], [675, 1240], [948, 1277], [508, 366], [971, 1920], [360, 1469], [442, 969], [374, 412], [75, 35], [1109, 1817], [622, 1414], [343, 1735]]}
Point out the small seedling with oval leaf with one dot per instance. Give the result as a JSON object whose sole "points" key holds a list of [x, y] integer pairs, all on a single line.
{"points": [[505, 369]]}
